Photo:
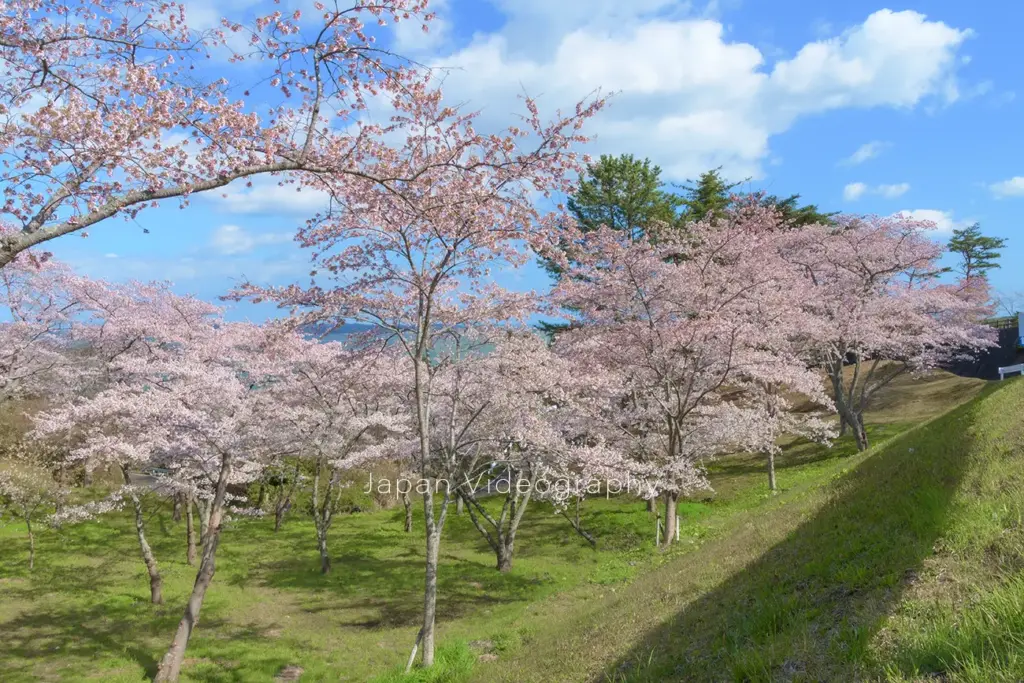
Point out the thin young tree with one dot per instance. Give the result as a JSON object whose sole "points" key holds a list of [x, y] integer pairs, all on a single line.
{"points": [[341, 404], [415, 260]]}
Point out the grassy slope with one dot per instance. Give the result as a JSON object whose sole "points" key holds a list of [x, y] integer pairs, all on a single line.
{"points": [[84, 611], [908, 566]]}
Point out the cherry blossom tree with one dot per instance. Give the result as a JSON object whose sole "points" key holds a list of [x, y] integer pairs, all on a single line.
{"points": [[109, 106], [414, 259], [515, 412], [119, 323], [29, 493], [686, 324], [187, 392], [42, 298], [873, 286], [341, 403]]}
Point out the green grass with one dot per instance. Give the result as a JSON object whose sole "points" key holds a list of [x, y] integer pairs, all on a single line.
{"points": [[730, 598], [453, 664], [908, 565]]}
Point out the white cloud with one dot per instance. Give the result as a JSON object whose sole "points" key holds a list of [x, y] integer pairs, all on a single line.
{"points": [[854, 191], [268, 195], [943, 220], [893, 191], [1014, 187], [689, 97], [411, 39], [868, 150], [232, 239]]}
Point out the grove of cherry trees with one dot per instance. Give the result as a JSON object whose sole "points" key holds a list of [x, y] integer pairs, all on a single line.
{"points": [[683, 343]]}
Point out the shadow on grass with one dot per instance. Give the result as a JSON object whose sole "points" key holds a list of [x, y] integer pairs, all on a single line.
{"points": [[808, 607], [80, 633], [802, 453]]}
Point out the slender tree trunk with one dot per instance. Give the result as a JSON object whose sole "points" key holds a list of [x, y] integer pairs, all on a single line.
{"points": [[459, 503], [671, 499], [652, 506], [771, 471], [323, 511], [408, 511], [190, 533], [321, 545], [176, 510], [430, 525], [170, 666], [204, 520], [430, 584], [284, 498], [574, 521], [279, 515], [262, 495], [155, 581], [31, 543]]}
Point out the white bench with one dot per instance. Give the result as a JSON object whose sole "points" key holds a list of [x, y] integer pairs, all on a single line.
{"points": [[1011, 369]]}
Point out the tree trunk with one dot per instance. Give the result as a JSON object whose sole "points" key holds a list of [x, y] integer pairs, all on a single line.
{"points": [[575, 522], [670, 518], [430, 585], [323, 511], [204, 520], [432, 529], [31, 543], [848, 413], [459, 503], [408, 512], [176, 511], [505, 558], [279, 512], [170, 665], [321, 545], [155, 581], [261, 496], [771, 471], [652, 506], [190, 534], [861, 434]]}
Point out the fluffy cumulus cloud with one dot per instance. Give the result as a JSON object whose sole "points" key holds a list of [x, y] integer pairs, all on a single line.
{"points": [[943, 220], [854, 191], [687, 95], [1014, 187], [267, 195]]}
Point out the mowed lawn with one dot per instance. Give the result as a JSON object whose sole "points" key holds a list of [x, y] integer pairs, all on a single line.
{"points": [[84, 612]]}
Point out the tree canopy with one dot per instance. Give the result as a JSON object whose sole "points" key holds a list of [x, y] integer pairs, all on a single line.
{"points": [[978, 253]]}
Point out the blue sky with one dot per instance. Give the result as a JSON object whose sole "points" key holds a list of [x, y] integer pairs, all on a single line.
{"points": [[857, 106]]}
